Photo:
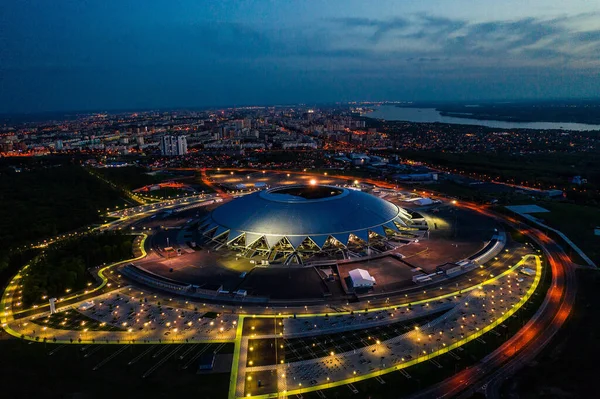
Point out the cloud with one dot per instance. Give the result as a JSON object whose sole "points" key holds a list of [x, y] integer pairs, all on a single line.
{"points": [[380, 28], [216, 60], [516, 43], [351, 43]]}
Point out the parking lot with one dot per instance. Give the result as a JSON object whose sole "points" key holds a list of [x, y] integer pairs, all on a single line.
{"points": [[312, 361], [274, 350], [132, 371], [71, 319]]}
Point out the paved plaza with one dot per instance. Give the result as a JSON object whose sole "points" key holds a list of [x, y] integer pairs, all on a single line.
{"points": [[310, 334], [340, 357]]}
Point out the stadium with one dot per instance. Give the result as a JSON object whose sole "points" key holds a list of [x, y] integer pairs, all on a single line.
{"points": [[306, 222], [299, 240]]}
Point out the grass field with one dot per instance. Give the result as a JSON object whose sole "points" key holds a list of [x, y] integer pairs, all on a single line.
{"points": [[577, 222], [568, 367], [35, 370], [474, 193], [64, 264], [48, 197], [129, 177], [533, 170], [574, 220]]}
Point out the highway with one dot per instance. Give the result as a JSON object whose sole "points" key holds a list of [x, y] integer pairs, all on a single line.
{"points": [[567, 280], [491, 371]]}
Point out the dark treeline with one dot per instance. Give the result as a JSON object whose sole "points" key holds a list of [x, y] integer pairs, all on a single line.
{"points": [[45, 199], [576, 111], [42, 197], [545, 170], [128, 177], [63, 266]]}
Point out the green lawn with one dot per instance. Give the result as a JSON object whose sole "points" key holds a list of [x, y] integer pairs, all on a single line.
{"points": [[63, 266], [535, 170], [568, 367], [38, 370], [128, 177], [577, 222], [48, 197]]}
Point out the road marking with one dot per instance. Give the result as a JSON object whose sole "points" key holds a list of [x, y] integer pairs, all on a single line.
{"points": [[184, 354], [161, 350], [380, 380], [90, 353], [52, 352], [196, 356], [108, 359], [141, 355], [161, 361]]}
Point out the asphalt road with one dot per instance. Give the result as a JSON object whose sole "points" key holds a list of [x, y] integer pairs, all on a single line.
{"points": [[490, 372]]}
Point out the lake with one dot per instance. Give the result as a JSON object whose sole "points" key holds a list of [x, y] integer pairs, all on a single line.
{"points": [[430, 115]]}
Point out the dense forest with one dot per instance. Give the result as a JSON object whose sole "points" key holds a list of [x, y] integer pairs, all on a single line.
{"points": [[128, 177], [538, 170], [44, 197], [43, 200], [576, 111], [63, 266]]}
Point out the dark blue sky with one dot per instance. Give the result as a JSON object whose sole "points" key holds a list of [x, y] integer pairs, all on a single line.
{"points": [[121, 54]]}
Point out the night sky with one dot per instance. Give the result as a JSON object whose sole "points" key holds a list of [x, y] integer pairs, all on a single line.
{"points": [[121, 54]]}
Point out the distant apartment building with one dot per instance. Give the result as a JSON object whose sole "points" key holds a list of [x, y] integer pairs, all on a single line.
{"points": [[298, 144], [173, 145], [238, 124]]}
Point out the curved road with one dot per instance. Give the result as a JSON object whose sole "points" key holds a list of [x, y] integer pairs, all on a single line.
{"points": [[489, 373]]}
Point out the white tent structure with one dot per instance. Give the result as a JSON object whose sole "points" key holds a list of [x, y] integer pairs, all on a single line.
{"points": [[361, 278], [423, 201]]}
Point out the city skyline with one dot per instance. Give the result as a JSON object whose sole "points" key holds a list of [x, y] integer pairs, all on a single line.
{"points": [[299, 198], [309, 251], [95, 56]]}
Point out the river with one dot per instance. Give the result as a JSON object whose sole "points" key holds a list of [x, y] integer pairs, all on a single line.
{"points": [[430, 115]]}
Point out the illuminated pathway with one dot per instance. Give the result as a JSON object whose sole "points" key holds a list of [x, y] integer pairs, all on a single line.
{"points": [[474, 313], [452, 320], [488, 374], [339, 368]]}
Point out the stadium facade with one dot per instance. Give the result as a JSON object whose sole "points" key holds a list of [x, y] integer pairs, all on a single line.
{"points": [[292, 223]]}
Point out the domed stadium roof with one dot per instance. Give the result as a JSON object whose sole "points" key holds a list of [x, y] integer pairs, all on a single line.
{"points": [[303, 211]]}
